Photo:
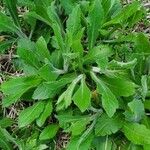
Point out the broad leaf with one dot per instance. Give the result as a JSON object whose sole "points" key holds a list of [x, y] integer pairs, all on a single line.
{"points": [[120, 86], [45, 114], [136, 133], [74, 30], [76, 145], [109, 101], [77, 127], [48, 73], [15, 88], [27, 52], [49, 132], [142, 44], [126, 13], [42, 50], [100, 52], [82, 97], [103, 143], [49, 89], [65, 98], [31, 113], [136, 112], [7, 25], [6, 122], [95, 20], [108, 126]]}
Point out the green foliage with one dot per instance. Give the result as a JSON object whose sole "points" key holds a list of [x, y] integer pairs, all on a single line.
{"points": [[83, 74]]}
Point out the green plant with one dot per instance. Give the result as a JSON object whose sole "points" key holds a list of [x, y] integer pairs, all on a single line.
{"points": [[87, 72]]}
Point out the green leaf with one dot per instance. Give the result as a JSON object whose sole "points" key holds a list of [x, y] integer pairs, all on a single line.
{"points": [[49, 89], [7, 25], [144, 86], [109, 101], [136, 112], [68, 118], [74, 30], [58, 36], [95, 19], [85, 145], [49, 132], [120, 86], [11, 5], [82, 97], [108, 126], [142, 43], [126, 13], [15, 88], [74, 21], [48, 73], [41, 49], [68, 5], [78, 127], [100, 52], [31, 113], [27, 52], [122, 65], [45, 114], [6, 122], [65, 98], [4, 142], [137, 133], [103, 143]]}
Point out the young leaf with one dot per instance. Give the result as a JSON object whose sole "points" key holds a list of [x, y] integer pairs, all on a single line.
{"points": [[136, 112], [45, 114], [41, 49], [137, 133], [82, 97], [142, 43], [15, 88], [29, 114], [95, 18], [65, 98], [108, 126], [109, 101], [49, 132]]}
